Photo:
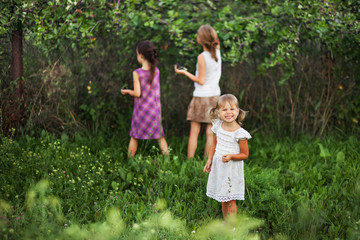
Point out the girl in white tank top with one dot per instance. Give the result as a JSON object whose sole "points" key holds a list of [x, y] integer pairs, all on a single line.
{"points": [[207, 90], [211, 86]]}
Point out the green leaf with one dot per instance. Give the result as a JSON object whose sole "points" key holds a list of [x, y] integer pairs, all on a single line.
{"points": [[340, 157], [324, 152], [114, 185], [129, 177], [276, 10], [122, 174]]}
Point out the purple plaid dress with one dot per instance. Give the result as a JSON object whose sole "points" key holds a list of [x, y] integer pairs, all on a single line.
{"points": [[146, 120]]}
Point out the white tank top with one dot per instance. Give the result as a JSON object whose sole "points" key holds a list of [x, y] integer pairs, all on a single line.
{"points": [[211, 86]]}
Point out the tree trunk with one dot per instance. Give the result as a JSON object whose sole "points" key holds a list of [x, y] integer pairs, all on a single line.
{"points": [[15, 108], [16, 62]]}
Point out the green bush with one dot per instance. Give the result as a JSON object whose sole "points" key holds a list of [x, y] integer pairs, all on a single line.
{"points": [[293, 65]]}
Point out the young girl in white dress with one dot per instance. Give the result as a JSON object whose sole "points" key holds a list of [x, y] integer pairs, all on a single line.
{"points": [[229, 148]]}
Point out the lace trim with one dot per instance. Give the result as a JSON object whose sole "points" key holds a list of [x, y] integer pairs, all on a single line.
{"points": [[228, 136], [216, 124], [226, 198], [242, 134]]}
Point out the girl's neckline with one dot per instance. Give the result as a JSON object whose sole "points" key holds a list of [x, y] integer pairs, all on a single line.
{"points": [[145, 69], [228, 130], [209, 50]]}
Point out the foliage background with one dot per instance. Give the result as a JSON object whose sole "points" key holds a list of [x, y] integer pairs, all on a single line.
{"points": [[292, 64]]}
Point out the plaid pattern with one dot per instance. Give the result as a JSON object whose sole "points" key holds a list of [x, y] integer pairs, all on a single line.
{"points": [[146, 120]]}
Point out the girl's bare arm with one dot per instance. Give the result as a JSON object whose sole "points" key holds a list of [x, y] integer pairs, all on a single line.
{"points": [[207, 167], [244, 152], [137, 88], [200, 79]]}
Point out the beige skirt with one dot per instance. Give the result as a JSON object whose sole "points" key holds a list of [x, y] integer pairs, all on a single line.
{"points": [[198, 110]]}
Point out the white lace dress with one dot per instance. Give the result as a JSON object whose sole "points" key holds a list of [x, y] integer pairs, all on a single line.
{"points": [[226, 180]]}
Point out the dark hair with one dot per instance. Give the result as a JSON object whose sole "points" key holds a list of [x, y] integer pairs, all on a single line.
{"points": [[149, 51]]}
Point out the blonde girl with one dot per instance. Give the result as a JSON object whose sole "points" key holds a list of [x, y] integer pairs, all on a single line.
{"points": [[229, 148], [207, 90], [146, 119]]}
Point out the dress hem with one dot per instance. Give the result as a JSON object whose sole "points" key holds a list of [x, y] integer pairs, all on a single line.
{"points": [[149, 138], [226, 199]]}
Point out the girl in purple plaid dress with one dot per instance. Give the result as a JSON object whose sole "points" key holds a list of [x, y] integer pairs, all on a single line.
{"points": [[146, 120]]}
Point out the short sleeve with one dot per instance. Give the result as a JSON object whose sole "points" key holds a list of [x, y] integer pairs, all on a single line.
{"points": [[242, 134], [216, 125]]}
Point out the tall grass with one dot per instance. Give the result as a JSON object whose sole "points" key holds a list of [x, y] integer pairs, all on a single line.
{"points": [[87, 188]]}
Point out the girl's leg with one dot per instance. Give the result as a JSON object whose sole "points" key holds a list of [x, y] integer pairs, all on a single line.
{"points": [[163, 145], [233, 208], [132, 146], [193, 138], [209, 139], [225, 209]]}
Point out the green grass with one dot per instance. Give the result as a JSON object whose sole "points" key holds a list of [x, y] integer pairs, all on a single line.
{"points": [[86, 188]]}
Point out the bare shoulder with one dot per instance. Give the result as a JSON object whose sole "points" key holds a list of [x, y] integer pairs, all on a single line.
{"points": [[136, 75], [201, 57]]}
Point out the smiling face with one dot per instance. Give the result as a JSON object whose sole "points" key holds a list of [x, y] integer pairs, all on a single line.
{"points": [[228, 113]]}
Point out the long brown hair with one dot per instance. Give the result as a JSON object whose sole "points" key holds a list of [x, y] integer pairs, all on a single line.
{"points": [[207, 37], [232, 100], [149, 51]]}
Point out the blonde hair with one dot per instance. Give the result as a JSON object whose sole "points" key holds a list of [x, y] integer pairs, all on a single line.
{"points": [[232, 100], [207, 37]]}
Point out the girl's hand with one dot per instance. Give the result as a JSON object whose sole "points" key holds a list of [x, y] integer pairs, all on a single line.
{"points": [[207, 167], [178, 71], [125, 91], [226, 158]]}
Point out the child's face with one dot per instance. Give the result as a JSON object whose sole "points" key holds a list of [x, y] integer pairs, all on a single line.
{"points": [[228, 113]]}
